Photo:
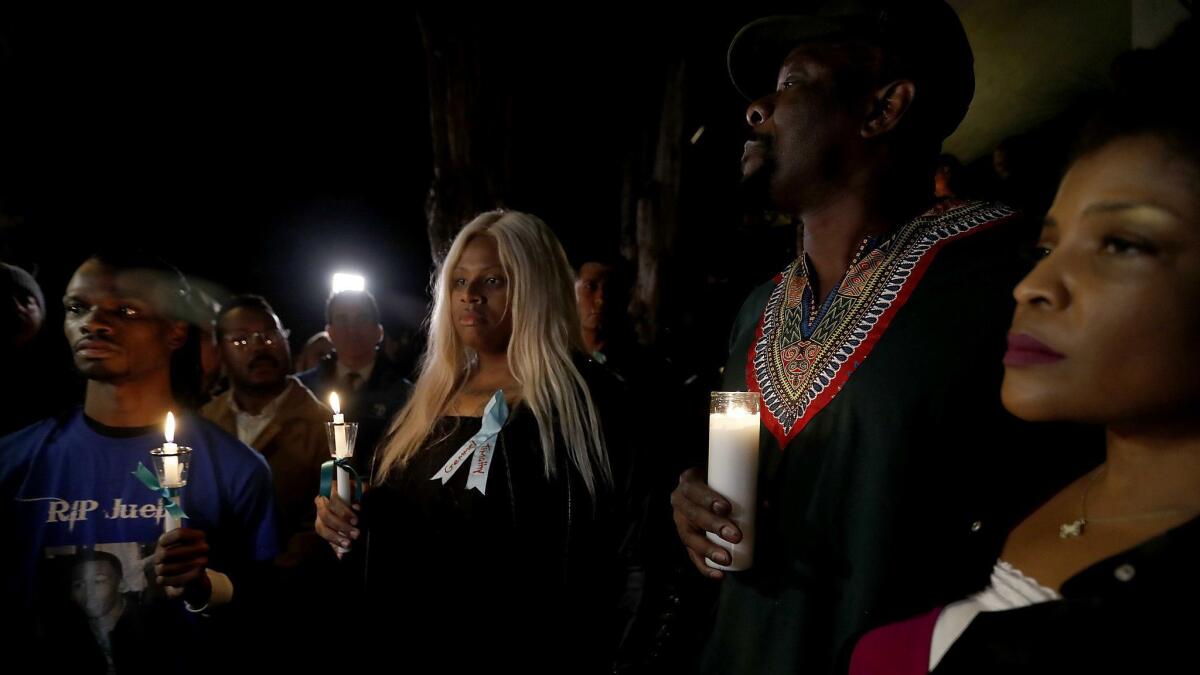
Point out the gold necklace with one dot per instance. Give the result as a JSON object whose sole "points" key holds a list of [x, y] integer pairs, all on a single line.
{"points": [[1077, 527]]}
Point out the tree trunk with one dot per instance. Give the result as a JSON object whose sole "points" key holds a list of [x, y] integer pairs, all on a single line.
{"points": [[469, 108]]}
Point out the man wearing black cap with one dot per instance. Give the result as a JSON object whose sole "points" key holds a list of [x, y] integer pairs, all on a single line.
{"points": [[25, 309], [883, 485], [25, 349]]}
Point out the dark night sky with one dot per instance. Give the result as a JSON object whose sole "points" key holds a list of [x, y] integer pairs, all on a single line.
{"points": [[263, 152], [259, 155]]}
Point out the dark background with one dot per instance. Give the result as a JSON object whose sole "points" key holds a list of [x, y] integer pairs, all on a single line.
{"points": [[262, 153]]}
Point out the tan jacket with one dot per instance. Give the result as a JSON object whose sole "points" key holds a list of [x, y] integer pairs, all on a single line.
{"points": [[295, 445]]}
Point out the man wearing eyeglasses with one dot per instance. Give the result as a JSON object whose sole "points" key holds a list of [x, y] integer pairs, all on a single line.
{"points": [[69, 486], [273, 413]]}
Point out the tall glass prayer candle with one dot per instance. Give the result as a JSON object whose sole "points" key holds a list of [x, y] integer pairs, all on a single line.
{"points": [[733, 428]]}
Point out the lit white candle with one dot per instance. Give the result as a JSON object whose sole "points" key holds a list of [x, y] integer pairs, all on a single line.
{"points": [[171, 473], [341, 447], [733, 472]]}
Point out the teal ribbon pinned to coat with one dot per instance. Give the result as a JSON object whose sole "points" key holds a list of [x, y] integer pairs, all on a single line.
{"points": [[480, 448], [168, 494], [329, 470]]}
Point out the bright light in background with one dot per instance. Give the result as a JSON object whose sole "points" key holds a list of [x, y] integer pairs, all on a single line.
{"points": [[348, 282]]}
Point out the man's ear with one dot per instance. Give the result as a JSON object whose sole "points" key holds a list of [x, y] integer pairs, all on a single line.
{"points": [[177, 334], [888, 106]]}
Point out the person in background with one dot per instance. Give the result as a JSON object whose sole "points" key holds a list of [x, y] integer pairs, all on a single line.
{"points": [[371, 387], [272, 412], [946, 177], [315, 348]]}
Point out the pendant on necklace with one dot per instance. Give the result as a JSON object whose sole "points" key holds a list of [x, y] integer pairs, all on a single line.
{"points": [[1072, 529]]}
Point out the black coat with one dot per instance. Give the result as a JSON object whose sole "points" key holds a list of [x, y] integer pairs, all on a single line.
{"points": [[532, 575], [372, 406]]}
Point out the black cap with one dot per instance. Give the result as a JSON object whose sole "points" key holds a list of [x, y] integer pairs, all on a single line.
{"points": [[925, 35], [15, 280]]}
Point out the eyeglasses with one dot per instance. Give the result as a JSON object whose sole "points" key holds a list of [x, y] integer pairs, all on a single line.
{"points": [[268, 338]]}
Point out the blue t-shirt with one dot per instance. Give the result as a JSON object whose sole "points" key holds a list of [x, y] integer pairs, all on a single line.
{"points": [[85, 527]]}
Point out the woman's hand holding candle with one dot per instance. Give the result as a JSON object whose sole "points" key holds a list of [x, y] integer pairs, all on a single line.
{"points": [[336, 522]]}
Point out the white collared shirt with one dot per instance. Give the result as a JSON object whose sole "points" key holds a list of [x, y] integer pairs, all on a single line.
{"points": [[249, 427]]}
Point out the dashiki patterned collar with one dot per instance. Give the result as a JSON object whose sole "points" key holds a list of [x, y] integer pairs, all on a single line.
{"points": [[798, 368]]}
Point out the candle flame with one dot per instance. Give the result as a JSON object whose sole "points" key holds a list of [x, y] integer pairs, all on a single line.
{"points": [[170, 431], [335, 403]]}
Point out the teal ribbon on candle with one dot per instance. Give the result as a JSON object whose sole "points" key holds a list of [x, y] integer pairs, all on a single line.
{"points": [[168, 494], [327, 473]]}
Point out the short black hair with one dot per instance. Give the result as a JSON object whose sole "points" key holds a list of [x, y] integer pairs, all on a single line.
{"points": [[177, 290], [92, 555], [1151, 99], [244, 301], [1173, 123], [598, 250], [180, 305], [623, 275], [359, 296]]}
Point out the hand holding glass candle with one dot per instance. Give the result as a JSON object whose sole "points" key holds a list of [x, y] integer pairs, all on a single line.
{"points": [[341, 444], [171, 467], [733, 468]]}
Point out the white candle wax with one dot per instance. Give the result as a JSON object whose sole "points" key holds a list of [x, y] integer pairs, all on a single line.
{"points": [[733, 472], [172, 476], [170, 522], [341, 446], [341, 449], [171, 479]]}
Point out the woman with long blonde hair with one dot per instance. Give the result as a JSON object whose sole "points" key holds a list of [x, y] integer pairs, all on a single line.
{"points": [[477, 345], [495, 492]]}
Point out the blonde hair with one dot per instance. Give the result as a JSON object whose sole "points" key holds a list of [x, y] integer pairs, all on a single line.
{"points": [[545, 335]]}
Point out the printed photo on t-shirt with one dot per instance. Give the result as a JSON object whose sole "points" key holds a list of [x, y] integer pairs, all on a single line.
{"points": [[99, 602]]}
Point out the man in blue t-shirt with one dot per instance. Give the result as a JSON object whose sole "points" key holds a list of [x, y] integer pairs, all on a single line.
{"points": [[86, 561]]}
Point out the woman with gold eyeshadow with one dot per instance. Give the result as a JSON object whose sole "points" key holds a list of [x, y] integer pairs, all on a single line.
{"points": [[1102, 577]]}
